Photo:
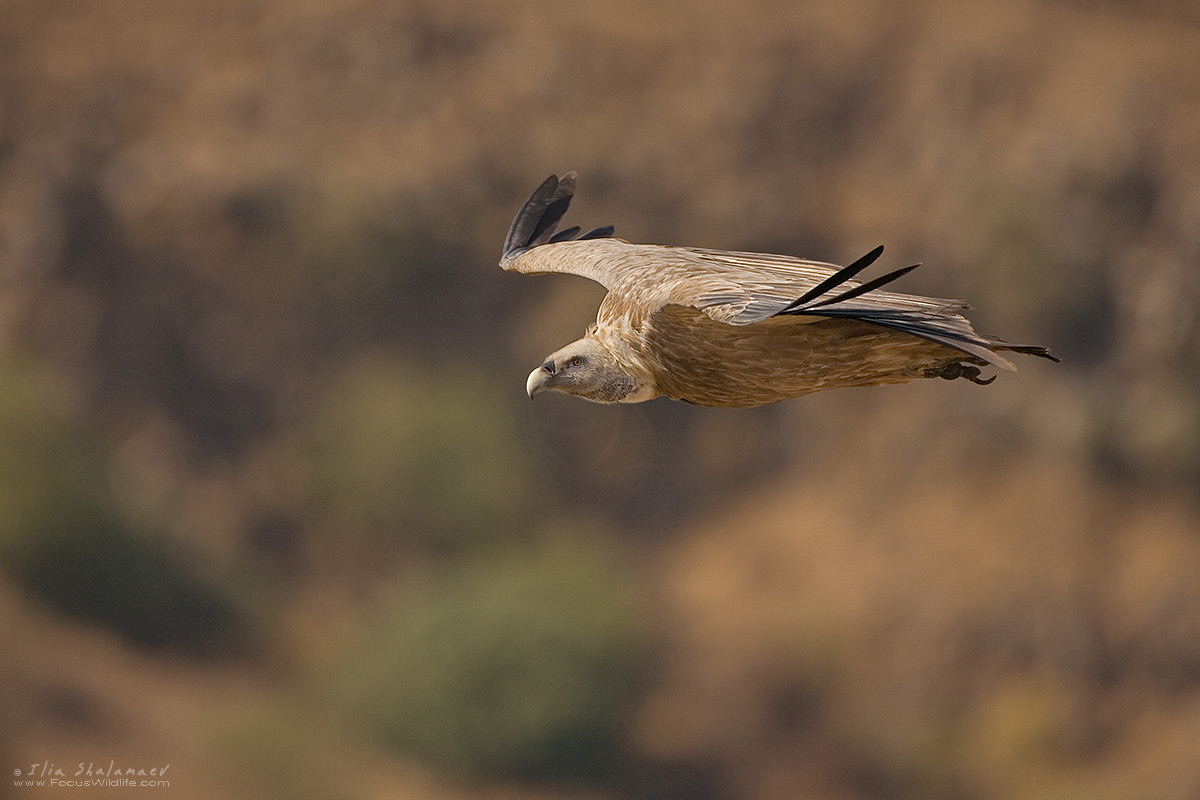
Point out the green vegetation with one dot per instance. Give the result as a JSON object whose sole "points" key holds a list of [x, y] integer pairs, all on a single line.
{"points": [[517, 665], [65, 543], [428, 459], [258, 370], [93, 568]]}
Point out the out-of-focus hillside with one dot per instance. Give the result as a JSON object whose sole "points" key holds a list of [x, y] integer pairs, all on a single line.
{"points": [[276, 510]]}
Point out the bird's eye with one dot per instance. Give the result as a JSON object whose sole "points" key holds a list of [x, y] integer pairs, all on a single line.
{"points": [[575, 361]]}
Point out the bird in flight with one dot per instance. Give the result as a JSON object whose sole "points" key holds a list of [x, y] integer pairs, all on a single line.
{"points": [[732, 329]]}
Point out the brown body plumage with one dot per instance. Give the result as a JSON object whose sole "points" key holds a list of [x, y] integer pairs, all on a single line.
{"points": [[732, 329]]}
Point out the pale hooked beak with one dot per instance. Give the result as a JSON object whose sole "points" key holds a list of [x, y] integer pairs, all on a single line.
{"points": [[538, 378]]}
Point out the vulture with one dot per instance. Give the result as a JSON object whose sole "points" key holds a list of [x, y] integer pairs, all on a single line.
{"points": [[735, 329]]}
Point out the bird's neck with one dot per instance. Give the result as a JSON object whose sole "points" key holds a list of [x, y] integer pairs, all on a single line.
{"points": [[620, 342]]}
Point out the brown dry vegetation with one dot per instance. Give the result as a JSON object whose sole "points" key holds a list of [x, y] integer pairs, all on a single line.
{"points": [[276, 511]]}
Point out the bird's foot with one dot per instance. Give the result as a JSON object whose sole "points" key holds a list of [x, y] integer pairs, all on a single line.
{"points": [[957, 369]]}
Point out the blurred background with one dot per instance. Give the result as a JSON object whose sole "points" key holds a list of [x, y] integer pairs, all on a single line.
{"points": [[275, 510]]}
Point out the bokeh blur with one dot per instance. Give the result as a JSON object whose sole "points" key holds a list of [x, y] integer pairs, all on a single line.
{"points": [[276, 512]]}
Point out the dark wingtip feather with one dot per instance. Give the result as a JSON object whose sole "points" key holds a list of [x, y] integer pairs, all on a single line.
{"points": [[560, 199], [520, 233], [564, 235], [870, 285], [836, 279], [603, 232], [540, 214]]}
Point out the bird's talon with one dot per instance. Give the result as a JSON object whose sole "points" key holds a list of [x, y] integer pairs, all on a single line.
{"points": [[972, 374], [957, 369]]}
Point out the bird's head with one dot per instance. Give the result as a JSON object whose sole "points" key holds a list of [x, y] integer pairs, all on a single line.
{"points": [[588, 368]]}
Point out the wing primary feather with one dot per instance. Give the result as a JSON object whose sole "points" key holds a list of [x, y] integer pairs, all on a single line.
{"points": [[603, 232], [841, 276], [520, 233], [535, 222], [560, 200], [564, 235], [861, 289]]}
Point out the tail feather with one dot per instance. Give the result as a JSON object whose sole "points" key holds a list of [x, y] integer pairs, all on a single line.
{"points": [[954, 332], [1030, 350], [899, 312]]}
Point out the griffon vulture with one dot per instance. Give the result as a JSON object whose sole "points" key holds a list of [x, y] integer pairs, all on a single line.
{"points": [[731, 329]]}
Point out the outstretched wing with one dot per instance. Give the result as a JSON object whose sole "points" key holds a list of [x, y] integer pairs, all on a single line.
{"points": [[736, 288], [824, 292], [732, 287]]}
